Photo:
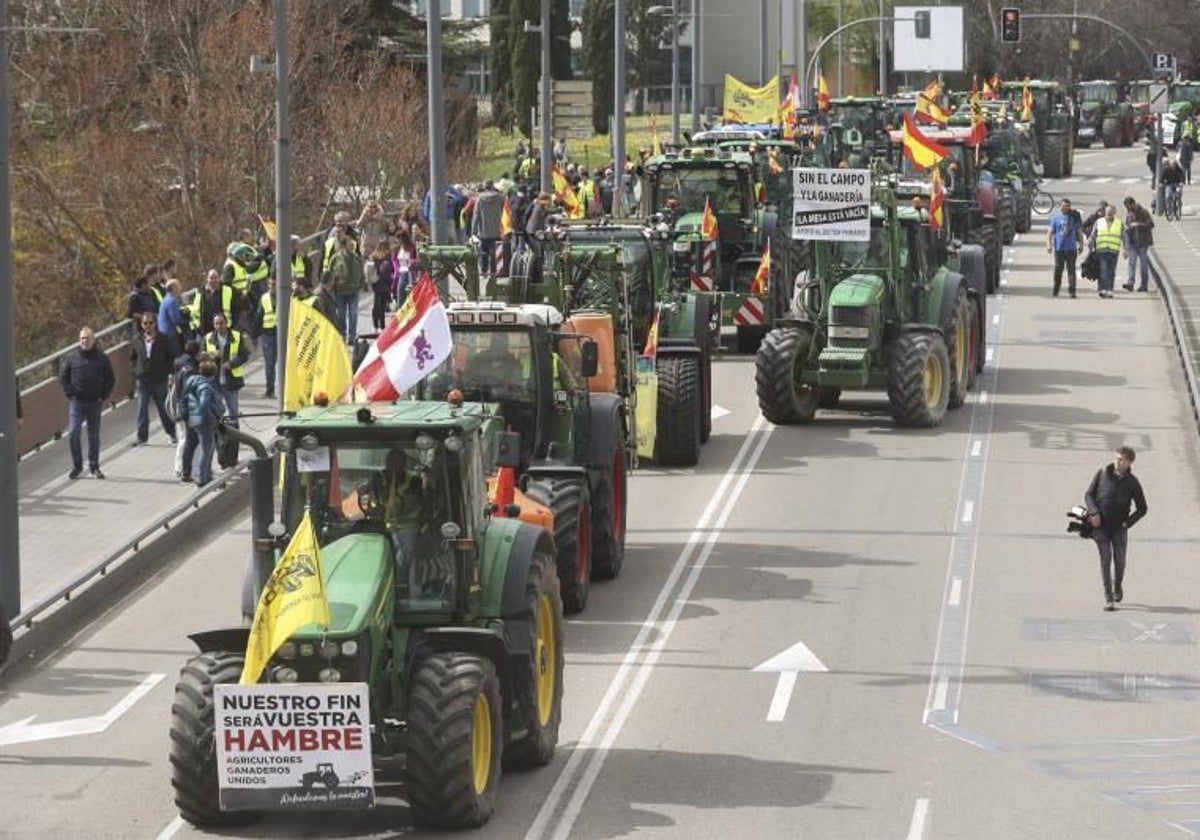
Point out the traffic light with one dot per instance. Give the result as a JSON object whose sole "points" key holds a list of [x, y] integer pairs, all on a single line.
{"points": [[921, 23], [1010, 25]]}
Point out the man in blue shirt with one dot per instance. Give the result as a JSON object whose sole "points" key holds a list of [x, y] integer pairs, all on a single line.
{"points": [[1064, 238], [171, 322]]}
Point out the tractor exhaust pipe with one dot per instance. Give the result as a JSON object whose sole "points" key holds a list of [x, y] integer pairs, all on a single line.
{"points": [[262, 514]]}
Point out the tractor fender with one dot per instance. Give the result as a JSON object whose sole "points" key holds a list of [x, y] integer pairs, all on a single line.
{"points": [[232, 639], [986, 195], [485, 642], [549, 469], [678, 347], [518, 637], [971, 263], [607, 426], [944, 296]]}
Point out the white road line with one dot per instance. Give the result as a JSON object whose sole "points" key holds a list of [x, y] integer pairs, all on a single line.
{"points": [[995, 319], [172, 827], [1102, 180], [955, 593], [988, 355], [968, 511], [983, 395], [1130, 180], [976, 449], [783, 695], [939, 696], [587, 758], [916, 828]]}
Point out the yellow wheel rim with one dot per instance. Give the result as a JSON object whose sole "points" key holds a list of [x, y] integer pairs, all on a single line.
{"points": [[481, 743], [546, 661], [960, 344], [933, 380]]}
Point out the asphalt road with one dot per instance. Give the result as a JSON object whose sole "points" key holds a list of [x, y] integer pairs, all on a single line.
{"points": [[974, 687]]}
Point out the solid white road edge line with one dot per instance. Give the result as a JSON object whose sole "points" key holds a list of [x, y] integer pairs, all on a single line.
{"points": [[916, 828], [743, 463]]}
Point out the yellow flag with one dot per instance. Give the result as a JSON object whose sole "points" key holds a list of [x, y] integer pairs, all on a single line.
{"points": [[317, 358], [745, 104], [293, 598]]}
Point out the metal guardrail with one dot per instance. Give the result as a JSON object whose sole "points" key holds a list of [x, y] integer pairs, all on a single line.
{"points": [[25, 621], [1179, 329]]}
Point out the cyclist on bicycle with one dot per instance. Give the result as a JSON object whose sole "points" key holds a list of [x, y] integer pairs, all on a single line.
{"points": [[1172, 181]]}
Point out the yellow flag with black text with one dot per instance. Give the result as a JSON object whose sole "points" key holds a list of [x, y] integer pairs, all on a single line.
{"points": [[293, 598], [746, 104], [317, 359]]}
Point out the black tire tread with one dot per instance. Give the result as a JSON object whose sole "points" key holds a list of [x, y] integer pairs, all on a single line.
{"points": [[568, 499], [906, 390], [608, 550], [775, 369], [680, 403], [1054, 156]]}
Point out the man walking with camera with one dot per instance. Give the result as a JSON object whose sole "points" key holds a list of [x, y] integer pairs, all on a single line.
{"points": [[1112, 491]]}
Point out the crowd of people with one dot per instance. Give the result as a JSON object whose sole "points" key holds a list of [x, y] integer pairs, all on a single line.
{"points": [[1108, 238]]}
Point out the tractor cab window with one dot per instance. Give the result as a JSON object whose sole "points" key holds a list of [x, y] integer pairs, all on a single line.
{"points": [[915, 253], [725, 189], [854, 257], [487, 365], [1098, 93]]}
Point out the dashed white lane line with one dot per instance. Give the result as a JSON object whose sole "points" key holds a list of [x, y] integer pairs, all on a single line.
{"points": [[968, 511], [916, 828], [955, 593], [995, 320], [977, 449], [983, 394], [939, 696], [988, 356]]}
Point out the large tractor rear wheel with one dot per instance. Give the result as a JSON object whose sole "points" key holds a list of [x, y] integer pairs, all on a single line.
{"points": [[1110, 131], [1024, 213], [782, 397], [1005, 223], [975, 343], [539, 685], [193, 747], [568, 499], [994, 255], [455, 741], [1054, 155], [680, 405], [958, 348], [608, 517], [919, 379]]}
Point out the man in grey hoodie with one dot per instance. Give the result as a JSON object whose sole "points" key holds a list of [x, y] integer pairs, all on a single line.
{"points": [[485, 226]]}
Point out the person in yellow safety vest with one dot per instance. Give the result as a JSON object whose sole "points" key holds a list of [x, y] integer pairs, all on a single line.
{"points": [[231, 350], [266, 327], [1106, 243], [211, 299], [245, 269], [299, 261]]}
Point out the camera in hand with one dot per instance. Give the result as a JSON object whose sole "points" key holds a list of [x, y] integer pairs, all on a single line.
{"points": [[1077, 522]]}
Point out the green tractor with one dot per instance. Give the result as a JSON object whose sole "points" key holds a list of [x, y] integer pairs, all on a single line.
{"points": [[1185, 103], [449, 613], [1010, 153], [1104, 115], [886, 313], [1053, 127], [538, 372], [674, 189], [622, 269]]}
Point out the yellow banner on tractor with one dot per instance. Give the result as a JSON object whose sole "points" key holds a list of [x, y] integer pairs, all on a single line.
{"points": [[745, 104], [645, 419]]}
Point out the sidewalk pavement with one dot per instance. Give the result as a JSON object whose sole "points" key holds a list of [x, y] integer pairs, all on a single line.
{"points": [[70, 526]]}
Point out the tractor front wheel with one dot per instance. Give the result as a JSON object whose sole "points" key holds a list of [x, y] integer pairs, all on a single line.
{"points": [[680, 405], [455, 739], [568, 500], [919, 379], [193, 747], [539, 685], [782, 397]]}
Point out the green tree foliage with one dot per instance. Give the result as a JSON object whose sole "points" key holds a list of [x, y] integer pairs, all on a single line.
{"points": [[648, 48], [597, 35], [500, 64], [560, 43]]}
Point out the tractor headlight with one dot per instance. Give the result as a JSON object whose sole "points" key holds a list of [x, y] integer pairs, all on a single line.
{"points": [[849, 332], [307, 649], [349, 648], [284, 444], [287, 650], [329, 649], [329, 675], [285, 674]]}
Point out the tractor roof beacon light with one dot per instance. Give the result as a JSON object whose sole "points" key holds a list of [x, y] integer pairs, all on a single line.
{"points": [[1010, 25]]}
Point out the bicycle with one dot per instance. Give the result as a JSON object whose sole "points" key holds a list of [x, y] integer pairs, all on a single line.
{"points": [[1042, 202], [1174, 202]]}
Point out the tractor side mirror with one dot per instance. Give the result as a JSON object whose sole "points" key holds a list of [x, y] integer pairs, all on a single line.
{"points": [[508, 449], [589, 359]]}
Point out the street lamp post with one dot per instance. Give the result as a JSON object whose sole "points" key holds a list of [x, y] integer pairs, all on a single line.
{"points": [[673, 11]]}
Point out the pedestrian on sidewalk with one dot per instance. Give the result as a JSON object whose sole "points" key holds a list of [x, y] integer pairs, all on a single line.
{"points": [[1113, 490], [265, 323], [186, 365], [1106, 241], [230, 350], [382, 285], [151, 358], [202, 403], [1064, 238], [1096, 216], [87, 380], [1139, 236], [348, 278]]}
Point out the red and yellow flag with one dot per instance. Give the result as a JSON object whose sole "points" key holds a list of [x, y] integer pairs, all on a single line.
{"points": [[822, 93], [564, 190], [655, 143], [989, 90], [762, 277], [506, 225], [1026, 102], [929, 112], [978, 123], [937, 201], [708, 222], [918, 148], [651, 349]]}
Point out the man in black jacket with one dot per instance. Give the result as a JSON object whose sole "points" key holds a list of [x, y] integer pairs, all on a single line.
{"points": [[1112, 491], [152, 361], [87, 379]]}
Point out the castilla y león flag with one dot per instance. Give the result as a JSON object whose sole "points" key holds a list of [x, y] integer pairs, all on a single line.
{"points": [[415, 342]]}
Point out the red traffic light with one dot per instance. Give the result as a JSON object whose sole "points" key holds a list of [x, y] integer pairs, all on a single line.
{"points": [[1010, 25]]}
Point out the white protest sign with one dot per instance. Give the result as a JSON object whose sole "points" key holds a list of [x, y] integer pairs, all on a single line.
{"points": [[294, 746], [832, 204]]}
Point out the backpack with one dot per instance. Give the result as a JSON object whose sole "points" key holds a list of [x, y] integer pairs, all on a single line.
{"points": [[193, 399]]}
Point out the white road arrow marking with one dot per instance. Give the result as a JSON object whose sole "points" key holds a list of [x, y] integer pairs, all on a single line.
{"points": [[718, 411], [788, 665], [24, 732]]}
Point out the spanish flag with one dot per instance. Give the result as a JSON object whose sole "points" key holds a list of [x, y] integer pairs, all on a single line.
{"points": [[563, 189], [978, 123], [989, 89], [762, 277], [293, 598], [650, 351], [1026, 102], [918, 148], [822, 93], [937, 201], [506, 226], [928, 110], [708, 222]]}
